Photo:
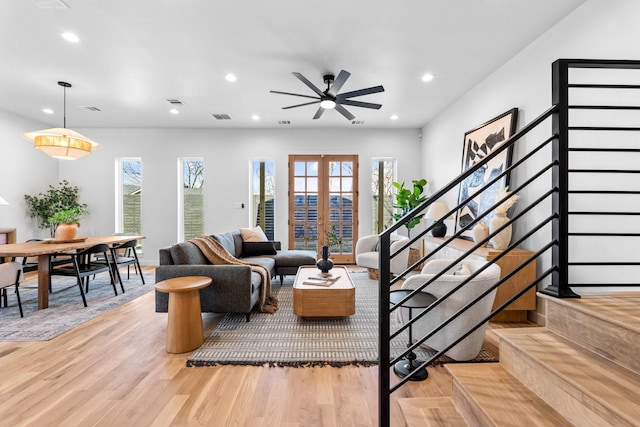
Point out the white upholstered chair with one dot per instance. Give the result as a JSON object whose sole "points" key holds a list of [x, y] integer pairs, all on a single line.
{"points": [[10, 276], [468, 348], [367, 253]]}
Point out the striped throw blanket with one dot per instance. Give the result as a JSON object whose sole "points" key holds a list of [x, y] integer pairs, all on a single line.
{"points": [[217, 254]]}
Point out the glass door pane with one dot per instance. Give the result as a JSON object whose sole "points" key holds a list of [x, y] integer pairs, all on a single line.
{"points": [[323, 204]]}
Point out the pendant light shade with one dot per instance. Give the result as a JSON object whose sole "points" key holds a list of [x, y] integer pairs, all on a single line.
{"points": [[62, 143]]}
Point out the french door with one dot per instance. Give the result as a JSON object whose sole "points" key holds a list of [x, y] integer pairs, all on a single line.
{"points": [[323, 204]]}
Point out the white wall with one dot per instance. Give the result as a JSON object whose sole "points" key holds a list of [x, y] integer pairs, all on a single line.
{"points": [[227, 155], [599, 29], [23, 171]]}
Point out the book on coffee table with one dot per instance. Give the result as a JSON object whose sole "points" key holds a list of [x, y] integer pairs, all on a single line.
{"points": [[320, 281]]}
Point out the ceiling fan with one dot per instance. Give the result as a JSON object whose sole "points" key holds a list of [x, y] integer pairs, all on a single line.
{"points": [[330, 98]]}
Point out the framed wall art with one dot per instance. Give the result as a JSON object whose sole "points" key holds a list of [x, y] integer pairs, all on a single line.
{"points": [[478, 144]]}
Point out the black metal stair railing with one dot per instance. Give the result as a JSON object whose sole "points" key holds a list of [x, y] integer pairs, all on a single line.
{"points": [[547, 232]]}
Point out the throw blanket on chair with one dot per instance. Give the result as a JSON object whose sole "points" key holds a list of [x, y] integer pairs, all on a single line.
{"points": [[217, 254]]}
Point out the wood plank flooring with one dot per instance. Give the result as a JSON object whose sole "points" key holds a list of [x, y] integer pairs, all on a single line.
{"points": [[114, 370]]}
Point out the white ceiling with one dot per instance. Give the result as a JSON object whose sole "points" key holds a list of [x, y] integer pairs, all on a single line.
{"points": [[133, 55]]}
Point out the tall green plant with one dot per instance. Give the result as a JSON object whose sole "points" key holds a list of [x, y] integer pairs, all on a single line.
{"points": [[44, 206], [407, 199]]}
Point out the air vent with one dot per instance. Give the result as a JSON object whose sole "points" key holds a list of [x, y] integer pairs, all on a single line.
{"points": [[357, 122], [91, 108], [222, 116], [175, 102], [51, 4], [284, 122]]}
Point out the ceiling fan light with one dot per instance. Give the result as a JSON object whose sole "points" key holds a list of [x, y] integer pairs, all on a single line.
{"points": [[328, 104]]}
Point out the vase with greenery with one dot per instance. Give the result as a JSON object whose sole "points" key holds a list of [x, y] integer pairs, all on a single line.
{"points": [[43, 206], [333, 240], [407, 199], [67, 221]]}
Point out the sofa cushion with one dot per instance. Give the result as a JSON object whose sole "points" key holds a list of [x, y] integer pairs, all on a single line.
{"points": [[258, 248], [295, 258], [187, 253], [231, 241], [265, 261], [253, 234]]}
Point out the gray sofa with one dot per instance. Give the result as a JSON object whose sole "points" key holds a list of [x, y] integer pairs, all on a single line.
{"points": [[234, 288]]}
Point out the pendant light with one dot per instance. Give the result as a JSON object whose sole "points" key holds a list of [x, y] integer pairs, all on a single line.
{"points": [[62, 143]]}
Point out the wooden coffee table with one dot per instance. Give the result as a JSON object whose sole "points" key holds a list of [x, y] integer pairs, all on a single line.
{"points": [[337, 300], [184, 325]]}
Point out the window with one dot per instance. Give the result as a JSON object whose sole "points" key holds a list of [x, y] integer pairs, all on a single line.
{"points": [[263, 195], [190, 198], [128, 195], [382, 175]]}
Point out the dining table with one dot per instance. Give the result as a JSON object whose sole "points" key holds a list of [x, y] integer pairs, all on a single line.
{"points": [[44, 249]]}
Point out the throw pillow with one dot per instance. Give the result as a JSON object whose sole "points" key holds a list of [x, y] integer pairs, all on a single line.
{"points": [[258, 248], [253, 235]]}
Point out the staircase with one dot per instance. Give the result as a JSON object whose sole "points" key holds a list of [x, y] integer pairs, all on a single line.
{"points": [[582, 369]]}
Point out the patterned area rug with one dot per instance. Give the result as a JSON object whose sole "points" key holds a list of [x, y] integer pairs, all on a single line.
{"points": [[283, 339], [65, 306]]}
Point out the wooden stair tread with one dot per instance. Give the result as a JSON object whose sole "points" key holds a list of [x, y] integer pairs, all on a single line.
{"points": [[602, 385], [431, 412], [500, 397], [621, 308]]}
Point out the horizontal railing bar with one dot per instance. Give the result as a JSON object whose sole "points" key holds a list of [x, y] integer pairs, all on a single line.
{"points": [[630, 192], [602, 86], [602, 213], [605, 128], [606, 150], [604, 285], [605, 234], [604, 107], [601, 263], [603, 171]]}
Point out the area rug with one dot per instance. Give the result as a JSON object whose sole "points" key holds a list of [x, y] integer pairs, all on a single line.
{"points": [[65, 306], [283, 339]]}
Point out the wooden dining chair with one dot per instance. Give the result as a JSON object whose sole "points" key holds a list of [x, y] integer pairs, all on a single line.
{"points": [[10, 274], [85, 265]]}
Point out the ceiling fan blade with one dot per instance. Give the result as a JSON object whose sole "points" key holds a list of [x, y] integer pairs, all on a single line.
{"points": [[294, 94], [304, 80], [318, 113], [340, 109], [360, 104], [360, 92], [300, 105], [338, 83]]}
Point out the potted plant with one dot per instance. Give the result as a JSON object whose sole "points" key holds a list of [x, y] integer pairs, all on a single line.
{"points": [[67, 222], [408, 199], [44, 206]]}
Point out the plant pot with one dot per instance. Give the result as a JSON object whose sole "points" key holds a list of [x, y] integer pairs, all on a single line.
{"points": [[67, 231]]}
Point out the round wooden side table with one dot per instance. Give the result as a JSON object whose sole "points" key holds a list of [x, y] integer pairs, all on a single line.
{"points": [[184, 325]]}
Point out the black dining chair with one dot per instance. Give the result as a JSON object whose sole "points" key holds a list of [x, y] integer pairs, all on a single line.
{"points": [[125, 254], [86, 265]]}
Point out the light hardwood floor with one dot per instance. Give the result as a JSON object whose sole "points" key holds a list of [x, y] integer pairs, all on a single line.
{"points": [[114, 371]]}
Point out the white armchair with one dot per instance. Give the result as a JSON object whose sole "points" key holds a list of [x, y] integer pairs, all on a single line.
{"points": [[468, 348], [367, 253]]}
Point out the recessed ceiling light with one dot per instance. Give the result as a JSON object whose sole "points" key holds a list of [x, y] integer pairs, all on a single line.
{"points": [[394, 117], [427, 77], [230, 77], [174, 111], [255, 117], [47, 110], [70, 37]]}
